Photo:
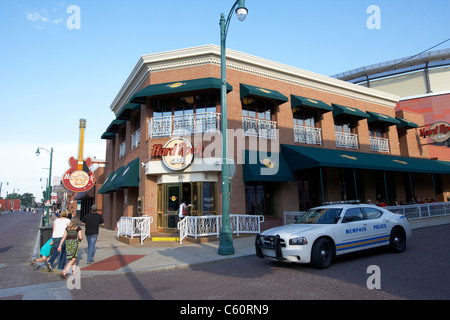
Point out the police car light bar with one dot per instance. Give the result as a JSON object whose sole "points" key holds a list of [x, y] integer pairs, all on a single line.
{"points": [[342, 202]]}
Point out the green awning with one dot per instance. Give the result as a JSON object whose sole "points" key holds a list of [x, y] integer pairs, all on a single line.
{"points": [[379, 117], [298, 102], [115, 125], [299, 158], [108, 135], [177, 87], [115, 178], [129, 176], [265, 167], [248, 90], [403, 123], [110, 184], [126, 111], [105, 186], [339, 110]]}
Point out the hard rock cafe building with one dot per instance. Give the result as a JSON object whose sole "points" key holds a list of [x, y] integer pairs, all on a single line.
{"points": [[296, 139]]}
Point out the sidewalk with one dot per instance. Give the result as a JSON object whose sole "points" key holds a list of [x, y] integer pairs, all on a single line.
{"points": [[113, 256]]}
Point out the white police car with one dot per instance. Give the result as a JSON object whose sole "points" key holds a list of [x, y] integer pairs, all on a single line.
{"points": [[327, 231]]}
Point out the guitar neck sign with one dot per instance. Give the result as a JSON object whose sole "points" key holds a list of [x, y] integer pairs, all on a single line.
{"points": [[79, 178]]}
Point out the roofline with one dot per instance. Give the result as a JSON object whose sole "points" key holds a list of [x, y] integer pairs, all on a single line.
{"points": [[210, 54]]}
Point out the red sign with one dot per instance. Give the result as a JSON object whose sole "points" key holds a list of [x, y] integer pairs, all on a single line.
{"points": [[438, 132]]}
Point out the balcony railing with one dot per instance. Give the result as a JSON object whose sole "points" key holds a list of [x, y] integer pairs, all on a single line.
{"points": [[308, 135], [379, 144], [184, 125], [122, 149], [346, 140], [135, 139], [259, 128]]}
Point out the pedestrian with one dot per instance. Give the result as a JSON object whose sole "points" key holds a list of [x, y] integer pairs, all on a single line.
{"points": [[72, 237], [45, 252], [183, 210], [59, 226], [92, 221]]}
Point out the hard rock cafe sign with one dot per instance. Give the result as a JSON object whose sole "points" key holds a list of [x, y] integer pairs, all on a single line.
{"points": [[438, 132], [177, 154]]}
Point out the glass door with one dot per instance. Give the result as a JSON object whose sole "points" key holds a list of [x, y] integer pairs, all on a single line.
{"points": [[172, 203]]}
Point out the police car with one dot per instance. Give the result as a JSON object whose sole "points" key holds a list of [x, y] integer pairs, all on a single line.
{"points": [[324, 232]]}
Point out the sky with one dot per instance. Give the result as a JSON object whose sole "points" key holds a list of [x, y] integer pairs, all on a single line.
{"points": [[61, 61]]}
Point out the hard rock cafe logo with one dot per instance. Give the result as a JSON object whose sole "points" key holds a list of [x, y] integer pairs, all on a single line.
{"points": [[177, 154], [438, 132]]}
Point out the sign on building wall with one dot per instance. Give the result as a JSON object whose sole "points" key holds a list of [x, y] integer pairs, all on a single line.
{"points": [[437, 132]]}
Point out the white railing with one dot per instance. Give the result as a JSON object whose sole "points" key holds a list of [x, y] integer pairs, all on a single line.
{"points": [[259, 128], [420, 211], [346, 140], [135, 139], [308, 135], [122, 149], [202, 226], [379, 144], [134, 227], [184, 125]]}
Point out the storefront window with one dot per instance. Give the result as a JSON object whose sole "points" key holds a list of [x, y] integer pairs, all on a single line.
{"points": [[209, 197]]}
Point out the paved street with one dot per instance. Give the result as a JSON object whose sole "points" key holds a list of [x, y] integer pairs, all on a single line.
{"points": [[421, 272]]}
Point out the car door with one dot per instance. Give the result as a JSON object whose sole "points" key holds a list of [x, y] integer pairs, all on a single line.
{"points": [[378, 224], [353, 230]]}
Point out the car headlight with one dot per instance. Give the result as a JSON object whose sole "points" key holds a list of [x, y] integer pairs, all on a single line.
{"points": [[300, 241]]}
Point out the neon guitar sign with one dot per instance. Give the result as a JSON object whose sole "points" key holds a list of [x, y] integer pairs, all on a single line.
{"points": [[79, 177]]}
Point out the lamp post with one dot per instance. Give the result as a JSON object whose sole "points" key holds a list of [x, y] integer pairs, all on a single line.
{"points": [[226, 235], [49, 187]]}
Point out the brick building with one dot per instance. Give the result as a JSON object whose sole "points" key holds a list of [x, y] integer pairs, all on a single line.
{"points": [[296, 139]]}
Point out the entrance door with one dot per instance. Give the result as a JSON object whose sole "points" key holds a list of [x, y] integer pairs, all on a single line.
{"points": [[172, 203]]}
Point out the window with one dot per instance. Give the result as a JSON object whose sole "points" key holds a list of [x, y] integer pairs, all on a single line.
{"points": [[257, 108], [353, 214], [372, 213], [307, 118]]}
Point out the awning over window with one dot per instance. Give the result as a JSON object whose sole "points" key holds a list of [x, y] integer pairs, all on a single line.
{"points": [[299, 158], [298, 102], [124, 177], [339, 110], [248, 90], [108, 135], [403, 123], [105, 186], [115, 125], [379, 117], [177, 87], [129, 176], [126, 111], [266, 167]]}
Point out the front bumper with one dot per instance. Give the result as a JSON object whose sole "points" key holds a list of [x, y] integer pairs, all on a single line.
{"points": [[274, 247]]}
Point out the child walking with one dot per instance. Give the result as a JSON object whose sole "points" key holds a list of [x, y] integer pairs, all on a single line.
{"points": [[72, 237], [45, 252]]}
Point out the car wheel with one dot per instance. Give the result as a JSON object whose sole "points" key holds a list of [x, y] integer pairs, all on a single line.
{"points": [[322, 254], [397, 241]]}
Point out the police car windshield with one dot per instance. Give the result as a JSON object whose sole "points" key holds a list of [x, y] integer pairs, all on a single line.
{"points": [[320, 216]]}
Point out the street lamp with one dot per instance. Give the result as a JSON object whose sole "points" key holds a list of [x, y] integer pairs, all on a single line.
{"points": [[226, 235], [49, 187]]}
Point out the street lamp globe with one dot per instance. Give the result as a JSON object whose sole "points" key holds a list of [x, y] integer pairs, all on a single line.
{"points": [[241, 13]]}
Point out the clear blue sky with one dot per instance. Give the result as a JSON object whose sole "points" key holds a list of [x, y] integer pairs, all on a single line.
{"points": [[51, 76]]}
